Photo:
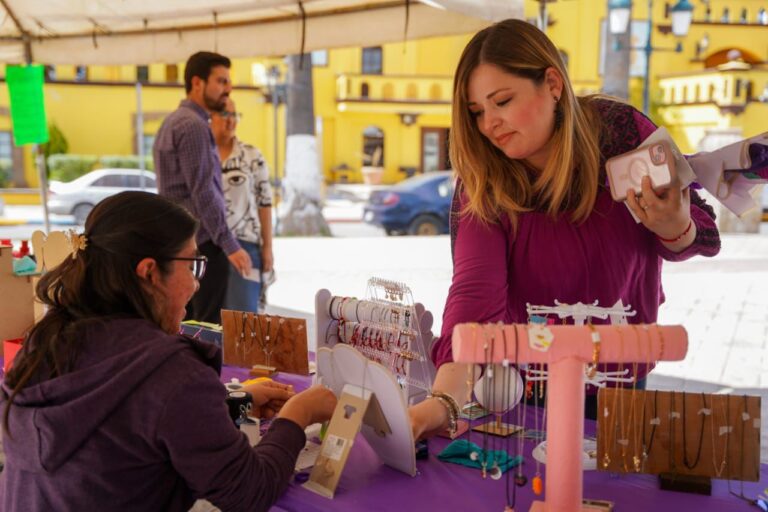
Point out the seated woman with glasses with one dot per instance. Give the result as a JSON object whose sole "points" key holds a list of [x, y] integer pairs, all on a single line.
{"points": [[107, 407]]}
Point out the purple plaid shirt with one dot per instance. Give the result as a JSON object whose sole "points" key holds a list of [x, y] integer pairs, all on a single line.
{"points": [[189, 172]]}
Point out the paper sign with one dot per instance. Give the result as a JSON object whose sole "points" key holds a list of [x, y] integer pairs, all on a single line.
{"points": [[25, 85]]}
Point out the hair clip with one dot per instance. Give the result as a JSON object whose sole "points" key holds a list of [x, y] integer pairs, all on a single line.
{"points": [[76, 242]]}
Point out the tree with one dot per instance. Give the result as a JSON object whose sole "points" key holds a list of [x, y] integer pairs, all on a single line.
{"points": [[57, 142], [300, 212]]}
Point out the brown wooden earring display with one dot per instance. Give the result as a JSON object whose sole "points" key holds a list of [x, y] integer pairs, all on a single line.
{"points": [[287, 343], [741, 453]]}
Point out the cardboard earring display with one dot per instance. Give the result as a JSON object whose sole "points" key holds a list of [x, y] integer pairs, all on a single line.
{"points": [[355, 407], [380, 414]]}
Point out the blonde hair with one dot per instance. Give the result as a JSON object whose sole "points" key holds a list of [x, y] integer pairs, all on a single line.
{"points": [[494, 183]]}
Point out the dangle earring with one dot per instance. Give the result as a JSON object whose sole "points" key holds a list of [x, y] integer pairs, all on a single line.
{"points": [[558, 112]]}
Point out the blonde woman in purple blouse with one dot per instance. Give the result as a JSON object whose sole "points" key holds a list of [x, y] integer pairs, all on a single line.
{"points": [[532, 219]]}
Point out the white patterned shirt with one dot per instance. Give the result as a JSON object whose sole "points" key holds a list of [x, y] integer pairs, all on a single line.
{"points": [[245, 181]]}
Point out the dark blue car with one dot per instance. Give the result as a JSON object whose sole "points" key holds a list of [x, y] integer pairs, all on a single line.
{"points": [[416, 206]]}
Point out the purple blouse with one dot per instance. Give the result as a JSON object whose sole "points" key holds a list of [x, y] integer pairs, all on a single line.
{"points": [[607, 258]]}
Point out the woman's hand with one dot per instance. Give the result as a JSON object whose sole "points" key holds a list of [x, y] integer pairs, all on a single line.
{"points": [[428, 418], [269, 397], [314, 405], [667, 213]]}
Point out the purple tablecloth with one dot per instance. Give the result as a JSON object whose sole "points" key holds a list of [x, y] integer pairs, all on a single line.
{"points": [[370, 486]]}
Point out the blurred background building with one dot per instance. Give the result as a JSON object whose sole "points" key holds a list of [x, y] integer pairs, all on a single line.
{"points": [[383, 112]]}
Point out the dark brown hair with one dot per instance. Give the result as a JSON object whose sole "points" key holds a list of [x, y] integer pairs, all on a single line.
{"points": [[200, 65], [100, 282]]}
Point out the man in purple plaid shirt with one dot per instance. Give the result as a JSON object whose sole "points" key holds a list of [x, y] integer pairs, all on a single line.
{"points": [[189, 172]]}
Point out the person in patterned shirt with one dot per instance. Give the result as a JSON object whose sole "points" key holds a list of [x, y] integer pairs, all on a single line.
{"points": [[248, 199]]}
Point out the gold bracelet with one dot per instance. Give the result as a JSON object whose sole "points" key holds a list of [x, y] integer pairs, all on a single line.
{"points": [[451, 406], [591, 369]]}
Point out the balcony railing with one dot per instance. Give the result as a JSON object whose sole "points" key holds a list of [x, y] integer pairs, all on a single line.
{"points": [[724, 88], [394, 89]]}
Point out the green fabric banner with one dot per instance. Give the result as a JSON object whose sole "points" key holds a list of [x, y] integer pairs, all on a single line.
{"points": [[25, 86]]}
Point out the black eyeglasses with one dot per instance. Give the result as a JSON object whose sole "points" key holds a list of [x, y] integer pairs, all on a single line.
{"points": [[198, 265]]}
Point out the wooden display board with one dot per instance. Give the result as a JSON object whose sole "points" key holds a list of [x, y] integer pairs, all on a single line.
{"points": [[249, 339], [731, 429]]}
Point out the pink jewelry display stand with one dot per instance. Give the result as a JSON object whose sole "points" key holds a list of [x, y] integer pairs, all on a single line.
{"points": [[569, 349]]}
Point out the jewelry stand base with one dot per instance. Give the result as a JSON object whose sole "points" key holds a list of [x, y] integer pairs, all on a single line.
{"points": [[260, 370], [498, 429], [685, 483], [540, 506]]}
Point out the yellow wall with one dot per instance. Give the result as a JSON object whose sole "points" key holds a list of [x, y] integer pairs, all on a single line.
{"points": [[97, 119]]}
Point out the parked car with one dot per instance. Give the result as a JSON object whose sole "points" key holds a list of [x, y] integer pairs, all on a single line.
{"points": [[765, 203], [78, 197], [416, 206]]}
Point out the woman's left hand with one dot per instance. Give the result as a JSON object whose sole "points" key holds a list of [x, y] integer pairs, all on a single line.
{"points": [[269, 397], [666, 213]]}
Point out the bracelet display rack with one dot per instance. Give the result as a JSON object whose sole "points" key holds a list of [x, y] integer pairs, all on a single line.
{"points": [[388, 327]]}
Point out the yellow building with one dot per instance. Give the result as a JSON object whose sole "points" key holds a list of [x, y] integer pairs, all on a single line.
{"points": [[389, 106]]}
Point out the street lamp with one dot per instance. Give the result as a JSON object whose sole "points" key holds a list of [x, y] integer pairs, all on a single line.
{"points": [[619, 14]]}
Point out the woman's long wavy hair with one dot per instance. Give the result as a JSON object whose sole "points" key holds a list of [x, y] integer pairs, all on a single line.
{"points": [[494, 183], [100, 282]]}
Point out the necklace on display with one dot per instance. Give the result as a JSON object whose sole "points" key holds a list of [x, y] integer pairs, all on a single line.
{"points": [[655, 421], [267, 342], [537, 484], [673, 415], [686, 462], [636, 458], [624, 425], [240, 343], [496, 472], [725, 429], [745, 417], [610, 430], [510, 505], [522, 416]]}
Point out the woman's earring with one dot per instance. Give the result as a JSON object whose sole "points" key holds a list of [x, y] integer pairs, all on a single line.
{"points": [[558, 115]]}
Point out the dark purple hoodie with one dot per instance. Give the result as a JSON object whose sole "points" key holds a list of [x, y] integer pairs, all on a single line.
{"points": [[139, 424]]}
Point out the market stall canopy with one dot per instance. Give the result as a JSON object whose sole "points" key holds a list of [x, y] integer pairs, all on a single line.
{"points": [[113, 32]]}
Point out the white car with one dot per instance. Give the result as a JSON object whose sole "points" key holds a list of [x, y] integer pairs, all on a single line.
{"points": [[78, 197]]}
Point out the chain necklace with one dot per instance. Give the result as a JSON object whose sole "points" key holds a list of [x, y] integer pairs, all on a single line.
{"points": [[686, 462], [744, 418], [240, 344], [725, 429], [672, 416], [624, 426], [609, 440], [648, 449], [636, 459]]}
